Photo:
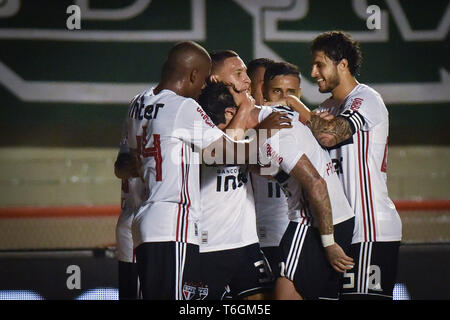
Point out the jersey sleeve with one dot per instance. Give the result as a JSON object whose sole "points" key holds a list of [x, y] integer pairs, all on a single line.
{"points": [[284, 148], [194, 126], [128, 128], [264, 112], [364, 111]]}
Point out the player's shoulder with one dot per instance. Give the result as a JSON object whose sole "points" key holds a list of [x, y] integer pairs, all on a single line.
{"points": [[363, 91], [363, 95]]}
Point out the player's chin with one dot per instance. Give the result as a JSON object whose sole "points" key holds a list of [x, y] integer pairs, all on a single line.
{"points": [[323, 89]]}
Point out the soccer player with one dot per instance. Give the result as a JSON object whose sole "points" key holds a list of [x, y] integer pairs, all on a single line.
{"points": [[280, 79], [309, 249], [255, 71], [132, 195], [354, 125], [232, 263], [169, 131], [321, 220], [229, 240]]}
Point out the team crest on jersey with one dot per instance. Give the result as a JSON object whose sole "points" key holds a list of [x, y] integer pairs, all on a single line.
{"points": [[356, 104], [195, 292], [189, 292]]}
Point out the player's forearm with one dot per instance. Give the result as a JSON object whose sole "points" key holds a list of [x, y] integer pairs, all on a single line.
{"points": [[316, 188], [320, 201], [237, 126], [330, 132]]}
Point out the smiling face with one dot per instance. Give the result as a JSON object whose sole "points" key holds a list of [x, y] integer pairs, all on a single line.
{"points": [[280, 86], [233, 70], [325, 72]]}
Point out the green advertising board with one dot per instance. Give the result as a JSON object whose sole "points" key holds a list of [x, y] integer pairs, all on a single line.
{"points": [[69, 68]]}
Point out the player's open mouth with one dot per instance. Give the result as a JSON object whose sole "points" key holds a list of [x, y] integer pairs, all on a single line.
{"points": [[320, 80]]}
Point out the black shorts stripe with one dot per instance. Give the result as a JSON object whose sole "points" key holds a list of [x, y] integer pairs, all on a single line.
{"points": [[295, 250]]}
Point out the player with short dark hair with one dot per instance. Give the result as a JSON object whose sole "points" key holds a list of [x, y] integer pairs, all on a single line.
{"points": [[255, 70], [237, 227], [226, 64], [280, 80], [233, 265], [306, 270]]}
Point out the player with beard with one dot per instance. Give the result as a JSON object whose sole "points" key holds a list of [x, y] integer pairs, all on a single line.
{"points": [[354, 125]]}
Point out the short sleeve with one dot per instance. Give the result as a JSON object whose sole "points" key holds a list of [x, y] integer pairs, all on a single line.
{"points": [[193, 125], [264, 112], [283, 149], [365, 110]]}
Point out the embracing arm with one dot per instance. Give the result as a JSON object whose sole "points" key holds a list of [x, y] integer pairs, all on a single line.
{"points": [[316, 188], [330, 132], [317, 191]]}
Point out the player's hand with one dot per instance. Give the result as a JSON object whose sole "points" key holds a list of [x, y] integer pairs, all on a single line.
{"points": [[259, 99], [338, 259], [127, 166], [274, 122], [243, 99], [303, 111]]}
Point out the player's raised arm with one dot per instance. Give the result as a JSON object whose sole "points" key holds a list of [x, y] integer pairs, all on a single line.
{"points": [[231, 110], [328, 132]]}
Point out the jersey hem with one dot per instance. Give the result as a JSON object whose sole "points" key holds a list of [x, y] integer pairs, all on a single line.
{"points": [[227, 247]]}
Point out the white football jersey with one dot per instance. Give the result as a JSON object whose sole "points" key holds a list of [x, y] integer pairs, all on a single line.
{"points": [[133, 193], [271, 210], [284, 149], [361, 164], [169, 132], [228, 209]]}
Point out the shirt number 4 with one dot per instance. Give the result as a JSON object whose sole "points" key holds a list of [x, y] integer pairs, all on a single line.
{"points": [[153, 151]]}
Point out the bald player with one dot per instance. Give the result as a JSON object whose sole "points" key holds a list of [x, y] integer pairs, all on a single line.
{"points": [[163, 126]]}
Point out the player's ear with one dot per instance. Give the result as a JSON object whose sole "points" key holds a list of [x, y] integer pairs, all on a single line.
{"points": [[230, 111], [193, 75], [343, 64], [214, 78]]}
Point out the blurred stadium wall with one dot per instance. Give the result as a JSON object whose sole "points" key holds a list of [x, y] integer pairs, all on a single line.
{"points": [[64, 95]]}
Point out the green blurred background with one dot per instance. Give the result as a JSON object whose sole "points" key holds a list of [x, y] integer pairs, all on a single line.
{"points": [[64, 94]]}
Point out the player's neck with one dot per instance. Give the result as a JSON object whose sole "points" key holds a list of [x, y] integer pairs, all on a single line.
{"points": [[346, 86], [173, 86]]}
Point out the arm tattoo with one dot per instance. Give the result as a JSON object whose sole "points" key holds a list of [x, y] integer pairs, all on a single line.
{"points": [[330, 132], [317, 191]]}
